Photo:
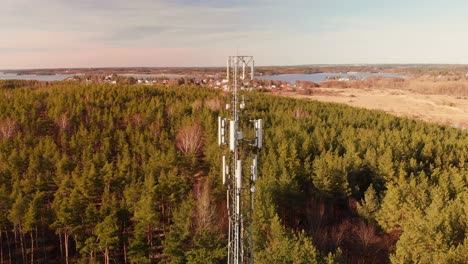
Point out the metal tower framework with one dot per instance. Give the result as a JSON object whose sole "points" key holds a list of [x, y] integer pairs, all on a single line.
{"points": [[240, 187]]}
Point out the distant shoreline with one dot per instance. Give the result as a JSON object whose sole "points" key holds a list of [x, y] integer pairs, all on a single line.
{"points": [[414, 70]]}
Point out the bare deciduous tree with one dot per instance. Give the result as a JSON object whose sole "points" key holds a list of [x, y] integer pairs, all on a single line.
{"points": [[169, 110], [205, 208], [213, 104], [137, 119], [155, 128], [300, 113], [197, 105], [189, 139], [62, 122], [7, 128], [365, 234]]}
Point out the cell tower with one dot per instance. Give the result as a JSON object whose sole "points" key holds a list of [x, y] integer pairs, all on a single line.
{"points": [[240, 185]]}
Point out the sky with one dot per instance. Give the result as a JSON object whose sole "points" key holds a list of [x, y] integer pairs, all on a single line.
{"points": [[170, 33]]}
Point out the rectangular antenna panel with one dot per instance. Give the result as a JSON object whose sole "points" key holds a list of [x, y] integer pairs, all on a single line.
{"points": [[224, 169], [220, 131], [259, 132], [232, 135], [254, 169], [240, 135], [223, 131], [239, 174]]}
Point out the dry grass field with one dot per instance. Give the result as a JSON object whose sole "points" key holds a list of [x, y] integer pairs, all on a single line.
{"points": [[443, 102]]}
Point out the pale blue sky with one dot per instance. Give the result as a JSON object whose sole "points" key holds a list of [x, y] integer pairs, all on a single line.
{"points": [[99, 33]]}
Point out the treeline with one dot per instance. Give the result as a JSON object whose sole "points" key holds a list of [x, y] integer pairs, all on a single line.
{"points": [[131, 174], [361, 181], [458, 88]]}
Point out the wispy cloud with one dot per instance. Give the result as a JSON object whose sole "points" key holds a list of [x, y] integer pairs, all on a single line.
{"points": [[165, 32]]}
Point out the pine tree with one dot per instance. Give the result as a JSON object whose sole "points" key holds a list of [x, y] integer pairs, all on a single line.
{"points": [[179, 233], [279, 245], [385, 166], [146, 215], [68, 212], [16, 216], [31, 218], [5, 206], [107, 234], [304, 251], [330, 175], [207, 247], [370, 205]]}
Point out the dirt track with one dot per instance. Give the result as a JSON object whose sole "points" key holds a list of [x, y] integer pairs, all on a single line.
{"points": [[442, 109]]}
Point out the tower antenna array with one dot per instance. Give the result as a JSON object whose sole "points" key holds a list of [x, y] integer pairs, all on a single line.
{"points": [[240, 187]]}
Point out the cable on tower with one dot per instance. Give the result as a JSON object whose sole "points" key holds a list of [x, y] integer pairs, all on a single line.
{"points": [[240, 213]]}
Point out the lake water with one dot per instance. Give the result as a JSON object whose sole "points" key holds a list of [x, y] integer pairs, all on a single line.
{"points": [[13, 76], [315, 77], [318, 77], [61, 77]]}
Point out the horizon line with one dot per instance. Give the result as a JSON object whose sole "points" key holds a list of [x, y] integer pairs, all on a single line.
{"points": [[214, 67]]}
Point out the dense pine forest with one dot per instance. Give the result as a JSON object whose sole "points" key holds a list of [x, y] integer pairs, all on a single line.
{"points": [[131, 174]]}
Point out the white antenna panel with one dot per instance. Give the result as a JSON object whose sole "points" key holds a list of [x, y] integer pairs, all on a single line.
{"points": [[254, 169], [240, 135], [221, 131], [259, 132], [232, 135], [239, 75], [224, 170], [239, 174]]}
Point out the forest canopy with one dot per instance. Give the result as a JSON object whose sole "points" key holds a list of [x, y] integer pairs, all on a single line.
{"points": [[131, 174]]}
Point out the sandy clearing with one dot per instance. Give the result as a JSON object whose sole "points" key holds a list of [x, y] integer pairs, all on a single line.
{"points": [[442, 109]]}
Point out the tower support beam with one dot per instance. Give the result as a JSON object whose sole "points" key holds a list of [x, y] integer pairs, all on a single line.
{"points": [[239, 186]]}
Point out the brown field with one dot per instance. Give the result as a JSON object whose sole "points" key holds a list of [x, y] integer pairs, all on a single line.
{"points": [[444, 102]]}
